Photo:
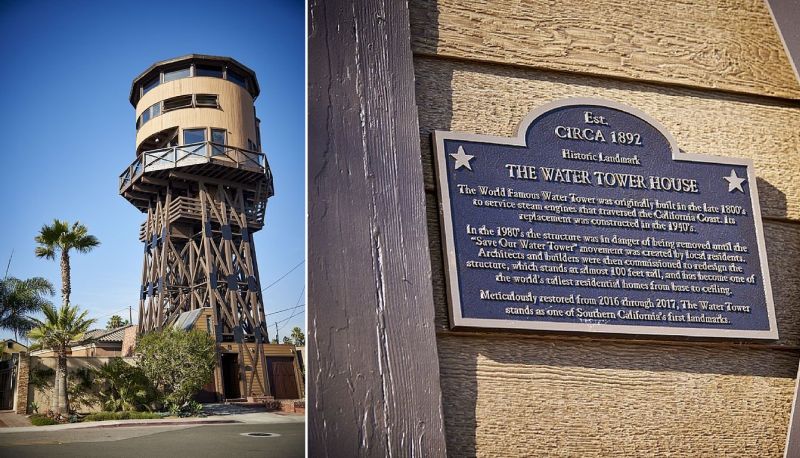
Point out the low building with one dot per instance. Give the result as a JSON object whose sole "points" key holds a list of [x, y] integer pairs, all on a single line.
{"points": [[284, 370], [11, 346], [96, 342]]}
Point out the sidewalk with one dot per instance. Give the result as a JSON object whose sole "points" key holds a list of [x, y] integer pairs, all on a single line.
{"points": [[246, 418], [8, 418]]}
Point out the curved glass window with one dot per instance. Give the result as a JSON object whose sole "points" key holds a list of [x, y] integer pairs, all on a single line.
{"points": [[207, 70], [177, 103], [177, 74], [236, 78], [150, 84]]}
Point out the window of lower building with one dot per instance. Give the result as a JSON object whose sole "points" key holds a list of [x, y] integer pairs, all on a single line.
{"points": [[193, 136]]}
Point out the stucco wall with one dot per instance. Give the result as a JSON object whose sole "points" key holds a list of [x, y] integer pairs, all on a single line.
{"points": [[42, 396]]}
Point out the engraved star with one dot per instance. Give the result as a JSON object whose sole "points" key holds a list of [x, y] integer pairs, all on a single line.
{"points": [[462, 159], [734, 182]]}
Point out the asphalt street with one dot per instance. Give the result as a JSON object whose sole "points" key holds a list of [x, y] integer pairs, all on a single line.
{"points": [[287, 440]]}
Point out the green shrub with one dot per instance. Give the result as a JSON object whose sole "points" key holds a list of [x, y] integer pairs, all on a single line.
{"points": [[42, 420], [177, 362], [125, 415], [125, 387]]}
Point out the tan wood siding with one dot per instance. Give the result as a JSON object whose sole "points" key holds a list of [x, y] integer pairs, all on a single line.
{"points": [[730, 45], [509, 397], [716, 76], [235, 114]]}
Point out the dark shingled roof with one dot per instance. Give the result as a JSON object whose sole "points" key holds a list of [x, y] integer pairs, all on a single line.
{"points": [[106, 335]]}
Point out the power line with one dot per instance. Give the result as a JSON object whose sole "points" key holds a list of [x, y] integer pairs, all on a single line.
{"points": [[284, 275], [287, 319], [283, 310], [293, 314], [112, 313]]}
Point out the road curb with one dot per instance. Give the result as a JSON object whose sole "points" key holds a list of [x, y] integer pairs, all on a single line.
{"points": [[111, 424], [160, 423]]}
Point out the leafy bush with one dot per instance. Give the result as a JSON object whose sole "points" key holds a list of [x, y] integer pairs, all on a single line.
{"points": [[190, 409], [42, 420], [125, 415], [124, 387], [178, 363], [41, 378], [80, 385]]}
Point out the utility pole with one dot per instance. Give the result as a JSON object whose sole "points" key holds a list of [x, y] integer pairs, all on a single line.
{"points": [[8, 266], [277, 337], [130, 315]]}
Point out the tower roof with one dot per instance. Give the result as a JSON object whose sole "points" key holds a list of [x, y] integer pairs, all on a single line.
{"points": [[134, 94]]}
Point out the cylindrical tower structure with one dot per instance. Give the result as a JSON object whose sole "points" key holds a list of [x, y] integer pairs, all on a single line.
{"points": [[203, 182]]}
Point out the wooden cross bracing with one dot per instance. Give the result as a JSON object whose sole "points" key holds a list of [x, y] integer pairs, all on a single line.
{"points": [[206, 258]]}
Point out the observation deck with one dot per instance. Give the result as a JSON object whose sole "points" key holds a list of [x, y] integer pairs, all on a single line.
{"points": [[179, 166]]}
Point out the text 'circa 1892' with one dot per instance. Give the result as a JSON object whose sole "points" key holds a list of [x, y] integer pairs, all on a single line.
{"points": [[591, 219]]}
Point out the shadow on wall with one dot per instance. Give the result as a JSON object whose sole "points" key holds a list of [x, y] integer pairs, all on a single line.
{"points": [[83, 391]]}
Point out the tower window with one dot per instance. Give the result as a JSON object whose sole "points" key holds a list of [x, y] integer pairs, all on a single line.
{"points": [[208, 70], [182, 101], [150, 84], [193, 136], [177, 74], [175, 103], [206, 100], [236, 78], [218, 138]]}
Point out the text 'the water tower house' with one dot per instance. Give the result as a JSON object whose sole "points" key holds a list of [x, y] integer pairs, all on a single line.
{"points": [[202, 180]]}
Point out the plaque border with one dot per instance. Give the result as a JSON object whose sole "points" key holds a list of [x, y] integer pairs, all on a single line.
{"points": [[451, 274]]}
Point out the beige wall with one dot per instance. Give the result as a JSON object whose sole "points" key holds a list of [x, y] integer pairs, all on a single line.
{"points": [[235, 113], [42, 397], [715, 74], [97, 350]]}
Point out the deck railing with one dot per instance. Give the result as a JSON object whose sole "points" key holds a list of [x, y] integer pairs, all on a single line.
{"points": [[193, 154]]}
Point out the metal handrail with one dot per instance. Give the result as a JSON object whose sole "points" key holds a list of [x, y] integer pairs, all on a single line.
{"points": [[177, 156]]}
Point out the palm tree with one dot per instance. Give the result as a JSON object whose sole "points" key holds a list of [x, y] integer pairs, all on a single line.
{"points": [[115, 322], [59, 328], [19, 299], [59, 237]]}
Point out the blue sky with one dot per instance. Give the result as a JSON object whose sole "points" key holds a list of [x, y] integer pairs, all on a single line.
{"points": [[68, 132]]}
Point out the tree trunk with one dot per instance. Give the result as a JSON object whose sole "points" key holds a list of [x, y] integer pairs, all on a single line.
{"points": [[63, 400], [56, 389], [66, 287]]}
